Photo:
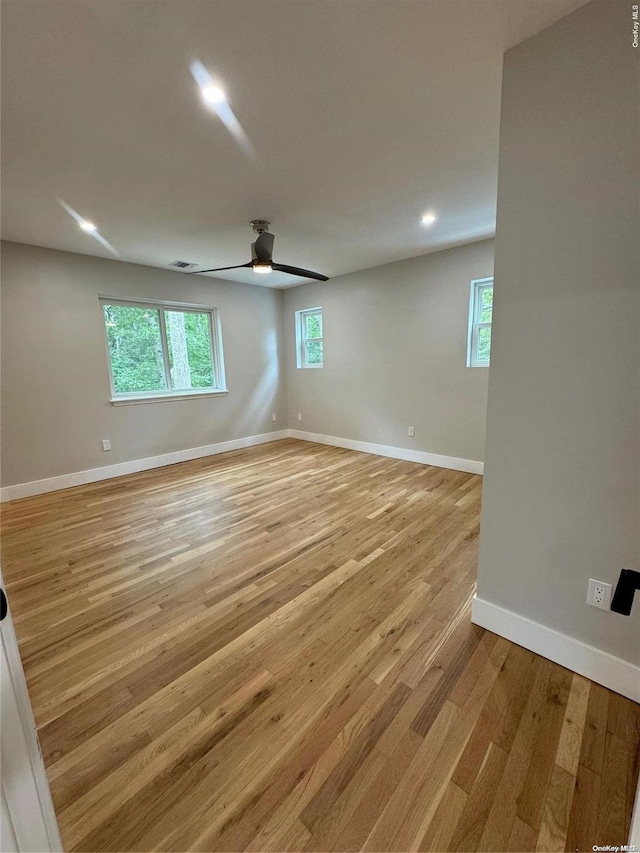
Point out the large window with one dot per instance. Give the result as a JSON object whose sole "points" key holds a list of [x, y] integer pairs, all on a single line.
{"points": [[310, 345], [480, 317], [162, 350]]}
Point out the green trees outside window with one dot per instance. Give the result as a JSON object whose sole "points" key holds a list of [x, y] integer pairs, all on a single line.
{"points": [[159, 349]]}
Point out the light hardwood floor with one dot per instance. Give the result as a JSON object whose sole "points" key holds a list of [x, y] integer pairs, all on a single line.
{"points": [[272, 650]]}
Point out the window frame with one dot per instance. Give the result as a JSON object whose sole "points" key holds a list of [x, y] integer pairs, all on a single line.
{"points": [[478, 285], [301, 340], [217, 355]]}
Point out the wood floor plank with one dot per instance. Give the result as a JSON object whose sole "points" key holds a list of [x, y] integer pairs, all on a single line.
{"points": [[452, 672], [392, 819], [612, 811], [501, 715], [331, 829], [522, 838], [569, 746], [280, 803], [583, 819], [379, 791], [271, 649], [537, 783], [445, 820], [473, 819], [504, 807], [557, 809], [344, 772]]}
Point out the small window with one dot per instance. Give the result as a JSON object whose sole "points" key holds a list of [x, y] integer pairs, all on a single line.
{"points": [[309, 338], [162, 350], [480, 317]]}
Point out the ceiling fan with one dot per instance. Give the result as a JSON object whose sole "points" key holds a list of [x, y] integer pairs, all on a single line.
{"points": [[261, 260]]}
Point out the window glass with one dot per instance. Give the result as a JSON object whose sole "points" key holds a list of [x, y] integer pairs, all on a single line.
{"points": [[486, 305], [484, 343], [153, 348], [313, 323], [309, 340], [189, 344], [313, 352], [135, 348], [480, 319]]}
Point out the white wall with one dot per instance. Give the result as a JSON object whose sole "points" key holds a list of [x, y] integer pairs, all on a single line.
{"points": [[395, 341], [55, 381], [562, 487]]}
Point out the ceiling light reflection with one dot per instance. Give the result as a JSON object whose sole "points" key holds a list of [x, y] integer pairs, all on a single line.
{"points": [[214, 96], [87, 226]]}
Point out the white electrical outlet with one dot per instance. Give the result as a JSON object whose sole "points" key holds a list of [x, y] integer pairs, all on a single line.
{"points": [[411, 431], [299, 416], [599, 594], [106, 444], [273, 417]]}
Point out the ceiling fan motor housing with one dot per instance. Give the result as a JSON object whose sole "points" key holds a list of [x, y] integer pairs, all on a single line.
{"points": [[260, 225]]}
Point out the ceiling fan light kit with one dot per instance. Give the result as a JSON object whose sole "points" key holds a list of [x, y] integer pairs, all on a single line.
{"points": [[262, 257]]}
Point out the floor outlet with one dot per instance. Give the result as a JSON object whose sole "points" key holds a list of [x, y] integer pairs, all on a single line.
{"points": [[599, 594]]}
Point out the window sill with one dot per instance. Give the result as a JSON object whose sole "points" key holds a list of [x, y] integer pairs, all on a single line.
{"points": [[163, 398]]}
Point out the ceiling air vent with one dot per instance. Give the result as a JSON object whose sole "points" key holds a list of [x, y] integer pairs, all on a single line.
{"points": [[181, 265]]}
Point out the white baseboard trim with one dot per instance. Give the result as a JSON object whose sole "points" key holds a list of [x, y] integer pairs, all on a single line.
{"points": [[612, 672], [93, 475], [453, 462]]}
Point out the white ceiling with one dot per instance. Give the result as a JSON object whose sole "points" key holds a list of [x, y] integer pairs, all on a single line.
{"points": [[362, 114]]}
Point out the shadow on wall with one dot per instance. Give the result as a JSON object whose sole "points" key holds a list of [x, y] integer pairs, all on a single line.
{"points": [[260, 400]]}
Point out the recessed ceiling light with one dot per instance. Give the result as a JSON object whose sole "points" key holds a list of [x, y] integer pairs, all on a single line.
{"points": [[87, 226], [429, 218], [213, 94], [215, 98], [262, 269]]}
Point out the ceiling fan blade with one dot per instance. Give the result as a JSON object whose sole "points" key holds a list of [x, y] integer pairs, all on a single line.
{"points": [[297, 271], [262, 249], [219, 269]]}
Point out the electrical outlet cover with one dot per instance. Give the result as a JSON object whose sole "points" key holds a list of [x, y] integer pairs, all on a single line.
{"points": [[599, 594]]}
